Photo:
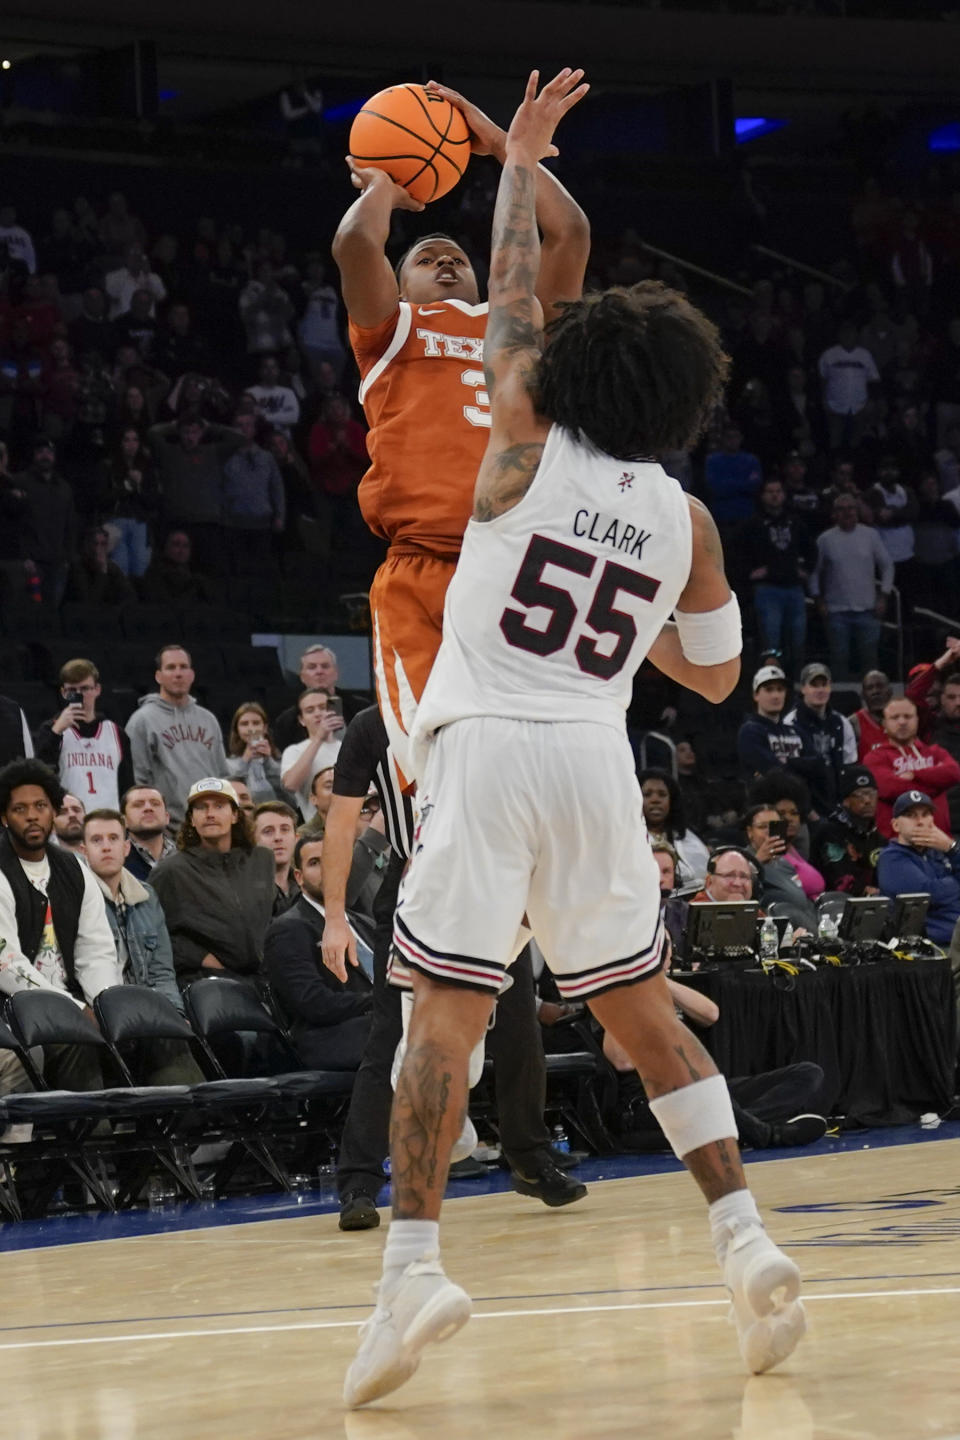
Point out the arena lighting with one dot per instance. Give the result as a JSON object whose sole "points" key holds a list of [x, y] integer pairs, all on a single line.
{"points": [[168, 94], [346, 111], [5, 64], [945, 137], [752, 127]]}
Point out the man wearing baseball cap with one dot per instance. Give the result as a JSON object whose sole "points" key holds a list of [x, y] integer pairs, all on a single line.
{"points": [[765, 741], [923, 858], [824, 730], [218, 890], [847, 845]]}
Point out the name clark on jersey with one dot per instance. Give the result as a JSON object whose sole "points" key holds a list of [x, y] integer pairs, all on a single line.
{"points": [[604, 530]]}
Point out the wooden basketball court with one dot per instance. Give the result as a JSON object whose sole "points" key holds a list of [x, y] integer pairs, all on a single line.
{"points": [[606, 1319]]}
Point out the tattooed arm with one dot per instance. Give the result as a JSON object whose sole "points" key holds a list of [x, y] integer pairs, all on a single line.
{"points": [[515, 328], [707, 589], [565, 229]]}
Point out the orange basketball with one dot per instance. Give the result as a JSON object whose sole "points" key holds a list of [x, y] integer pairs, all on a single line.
{"points": [[421, 141]]}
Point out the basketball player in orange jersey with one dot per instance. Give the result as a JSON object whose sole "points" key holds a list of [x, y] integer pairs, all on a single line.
{"points": [[417, 334]]}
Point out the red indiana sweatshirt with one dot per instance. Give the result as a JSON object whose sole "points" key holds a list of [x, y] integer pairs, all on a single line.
{"points": [[916, 766]]}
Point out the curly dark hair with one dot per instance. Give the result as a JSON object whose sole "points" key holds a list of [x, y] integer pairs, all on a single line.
{"points": [[777, 785], [29, 772], [636, 370]]}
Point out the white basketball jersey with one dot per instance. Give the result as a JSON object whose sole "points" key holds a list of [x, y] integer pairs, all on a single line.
{"points": [[555, 604], [89, 767]]}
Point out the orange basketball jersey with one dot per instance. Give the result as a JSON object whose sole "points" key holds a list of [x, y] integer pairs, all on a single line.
{"points": [[423, 392]]}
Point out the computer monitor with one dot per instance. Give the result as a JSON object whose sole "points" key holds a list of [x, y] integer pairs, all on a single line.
{"points": [[719, 927], [864, 919], [908, 918]]}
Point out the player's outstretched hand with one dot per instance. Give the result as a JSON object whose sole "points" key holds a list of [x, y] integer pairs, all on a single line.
{"points": [[539, 115], [486, 136], [364, 178], [337, 947]]}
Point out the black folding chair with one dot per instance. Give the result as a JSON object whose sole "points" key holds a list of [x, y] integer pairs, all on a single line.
{"points": [[226, 1008], [64, 1120], [126, 1015], [223, 1108]]}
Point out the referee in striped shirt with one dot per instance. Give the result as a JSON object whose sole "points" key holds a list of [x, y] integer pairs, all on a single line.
{"points": [[514, 1044]]}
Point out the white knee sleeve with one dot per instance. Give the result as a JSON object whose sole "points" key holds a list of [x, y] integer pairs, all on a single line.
{"points": [[697, 1115], [406, 1011]]}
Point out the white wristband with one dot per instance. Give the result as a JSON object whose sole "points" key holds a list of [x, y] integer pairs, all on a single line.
{"points": [[710, 637]]}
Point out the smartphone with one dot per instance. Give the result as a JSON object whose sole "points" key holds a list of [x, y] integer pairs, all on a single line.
{"points": [[778, 829], [73, 697], [335, 703]]}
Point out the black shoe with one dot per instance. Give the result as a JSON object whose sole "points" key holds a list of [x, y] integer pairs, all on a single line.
{"points": [[358, 1211], [801, 1130], [542, 1179]]}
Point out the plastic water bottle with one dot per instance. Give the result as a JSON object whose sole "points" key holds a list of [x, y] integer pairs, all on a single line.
{"points": [[560, 1140], [828, 929], [769, 939]]}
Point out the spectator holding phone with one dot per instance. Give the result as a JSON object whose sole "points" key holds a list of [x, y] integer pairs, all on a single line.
{"points": [[299, 763], [779, 882], [89, 753], [251, 754], [319, 671]]}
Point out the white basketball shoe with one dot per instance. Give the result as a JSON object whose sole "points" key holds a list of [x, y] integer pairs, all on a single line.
{"points": [[764, 1286], [422, 1306]]}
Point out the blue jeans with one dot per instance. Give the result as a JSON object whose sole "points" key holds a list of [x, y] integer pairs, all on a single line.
{"points": [[850, 631], [132, 551], [782, 619]]}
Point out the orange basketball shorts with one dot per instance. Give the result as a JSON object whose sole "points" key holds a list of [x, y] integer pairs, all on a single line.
{"points": [[406, 611]]}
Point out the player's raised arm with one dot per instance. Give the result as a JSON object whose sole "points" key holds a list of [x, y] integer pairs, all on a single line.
{"points": [[701, 649], [367, 280], [515, 322], [565, 230]]}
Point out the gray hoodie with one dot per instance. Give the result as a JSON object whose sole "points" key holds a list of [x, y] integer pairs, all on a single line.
{"points": [[171, 746]]}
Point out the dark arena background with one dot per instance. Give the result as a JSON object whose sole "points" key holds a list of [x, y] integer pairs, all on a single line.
{"points": [[195, 786]]}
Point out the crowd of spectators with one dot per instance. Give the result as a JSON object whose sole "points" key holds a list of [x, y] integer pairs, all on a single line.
{"points": [[168, 405], [177, 412]]}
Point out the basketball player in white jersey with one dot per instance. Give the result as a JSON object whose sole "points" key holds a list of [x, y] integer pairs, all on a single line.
{"points": [[580, 549]]}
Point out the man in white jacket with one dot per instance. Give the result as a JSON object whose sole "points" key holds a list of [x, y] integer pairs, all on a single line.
{"points": [[54, 932]]}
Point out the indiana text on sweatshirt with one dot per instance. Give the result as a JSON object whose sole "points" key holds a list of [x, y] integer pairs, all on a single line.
{"points": [[172, 746]]}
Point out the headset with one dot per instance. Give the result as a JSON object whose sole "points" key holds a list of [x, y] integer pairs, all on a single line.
{"points": [[736, 850]]}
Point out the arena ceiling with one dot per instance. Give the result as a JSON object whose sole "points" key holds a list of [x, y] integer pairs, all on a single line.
{"points": [[616, 41]]}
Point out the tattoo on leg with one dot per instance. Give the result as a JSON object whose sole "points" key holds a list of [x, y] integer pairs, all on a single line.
{"points": [[716, 1168], [656, 1086], [420, 1128]]}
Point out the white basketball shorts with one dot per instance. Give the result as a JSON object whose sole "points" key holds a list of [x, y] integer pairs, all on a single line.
{"points": [[520, 816]]}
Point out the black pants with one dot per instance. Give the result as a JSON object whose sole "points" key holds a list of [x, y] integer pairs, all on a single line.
{"points": [[760, 1102], [334, 1047], [514, 1045]]}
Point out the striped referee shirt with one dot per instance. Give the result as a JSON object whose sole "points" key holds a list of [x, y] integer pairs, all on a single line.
{"points": [[365, 760]]}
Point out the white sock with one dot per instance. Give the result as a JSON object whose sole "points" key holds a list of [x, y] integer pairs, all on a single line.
{"points": [[407, 1241], [727, 1215]]}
